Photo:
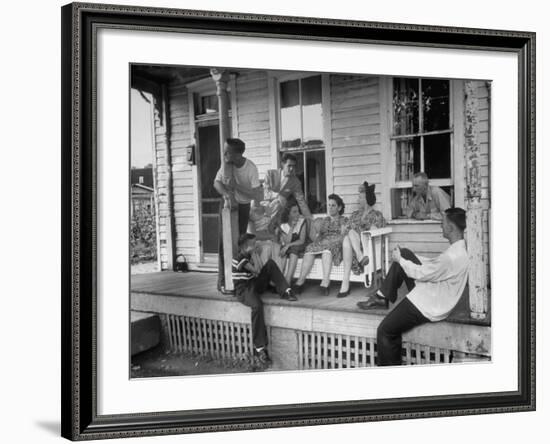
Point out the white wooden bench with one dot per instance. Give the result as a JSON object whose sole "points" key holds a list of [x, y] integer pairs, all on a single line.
{"points": [[375, 243]]}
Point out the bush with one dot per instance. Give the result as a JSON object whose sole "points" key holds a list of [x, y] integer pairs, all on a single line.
{"points": [[143, 235]]}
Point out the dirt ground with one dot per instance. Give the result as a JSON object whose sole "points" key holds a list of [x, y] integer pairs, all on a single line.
{"points": [[158, 363], [144, 267]]}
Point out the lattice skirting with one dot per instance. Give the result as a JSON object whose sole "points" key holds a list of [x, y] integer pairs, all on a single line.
{"points": [[219, 339], [318, 350]]}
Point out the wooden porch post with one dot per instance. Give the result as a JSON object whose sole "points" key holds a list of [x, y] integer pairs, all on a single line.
{"points": [[229, 215], [477, 277]]}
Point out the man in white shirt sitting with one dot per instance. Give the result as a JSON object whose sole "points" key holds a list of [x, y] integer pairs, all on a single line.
{"points": [[435, 286]]}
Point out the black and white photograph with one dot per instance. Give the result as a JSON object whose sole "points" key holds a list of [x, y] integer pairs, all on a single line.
{"points": [[274, 222], [294, 221]]}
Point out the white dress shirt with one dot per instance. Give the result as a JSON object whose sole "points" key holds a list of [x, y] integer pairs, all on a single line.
{"points": [[440, 281]]}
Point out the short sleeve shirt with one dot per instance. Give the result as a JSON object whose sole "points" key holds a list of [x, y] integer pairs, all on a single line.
{"points": [[246, 176]]}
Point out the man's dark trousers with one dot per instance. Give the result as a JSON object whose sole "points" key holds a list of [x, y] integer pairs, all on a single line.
{"points": [[243, 215], [248, 293], [402, 318]]}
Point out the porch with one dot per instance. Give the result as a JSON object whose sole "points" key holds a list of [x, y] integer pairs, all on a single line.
{"points": [[314, 332]]}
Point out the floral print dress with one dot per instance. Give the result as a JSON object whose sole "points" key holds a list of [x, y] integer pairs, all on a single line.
{"points": [[330, 238]]}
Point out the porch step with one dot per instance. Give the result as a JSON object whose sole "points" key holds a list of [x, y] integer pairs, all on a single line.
{"points": [[205, 267], [145, 331]]}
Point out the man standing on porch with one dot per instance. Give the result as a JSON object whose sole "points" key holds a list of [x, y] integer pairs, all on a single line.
{"points": [[282, 184], [243, 187], [435, 286], [428, 201]]}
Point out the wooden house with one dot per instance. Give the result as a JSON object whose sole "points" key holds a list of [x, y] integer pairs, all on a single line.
{"points": [[343, 128]]}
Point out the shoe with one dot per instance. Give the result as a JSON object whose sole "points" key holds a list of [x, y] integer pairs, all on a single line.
{"points": [[289, 295], [323, 291], [364, 261], [298, 288], [262, 356], [343, 294], [373, 303]]}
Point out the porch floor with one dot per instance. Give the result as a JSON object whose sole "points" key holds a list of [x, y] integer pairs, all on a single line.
{"points": [[203, 285]]}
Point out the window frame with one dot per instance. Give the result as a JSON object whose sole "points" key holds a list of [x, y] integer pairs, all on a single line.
{"points": [[389, 147], [275, 79]]}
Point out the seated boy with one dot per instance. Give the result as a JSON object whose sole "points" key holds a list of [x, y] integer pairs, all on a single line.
{"points": [[251, 280], [264, 225]]}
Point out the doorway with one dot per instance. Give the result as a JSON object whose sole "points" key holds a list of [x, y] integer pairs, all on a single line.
{"points": [[209, 200]]}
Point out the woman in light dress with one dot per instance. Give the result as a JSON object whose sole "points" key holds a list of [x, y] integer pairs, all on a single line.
{"points": [[363, 219]]}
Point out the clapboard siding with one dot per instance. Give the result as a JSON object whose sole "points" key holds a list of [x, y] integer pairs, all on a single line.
{"points": [[355, 132], [422, 238], [253, 117], [185, 190]]}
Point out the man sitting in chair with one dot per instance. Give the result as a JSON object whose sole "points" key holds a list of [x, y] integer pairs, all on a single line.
{"points": [[435, 286]]}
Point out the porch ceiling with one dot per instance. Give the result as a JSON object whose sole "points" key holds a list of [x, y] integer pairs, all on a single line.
{"points": [[167, 74]]}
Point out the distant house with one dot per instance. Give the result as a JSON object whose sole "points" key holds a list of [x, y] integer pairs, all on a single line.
{"points": [[142, 176], [142, 198]]}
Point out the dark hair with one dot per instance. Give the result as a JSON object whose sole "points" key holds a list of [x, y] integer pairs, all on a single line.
{"points": [[339, 202], [457, 216], [288, 156], [244, 238], [236, 144], [292, 202], [370, 196]]}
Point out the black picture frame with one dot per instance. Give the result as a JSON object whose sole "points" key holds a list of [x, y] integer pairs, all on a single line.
{"points": [[79, 171]]}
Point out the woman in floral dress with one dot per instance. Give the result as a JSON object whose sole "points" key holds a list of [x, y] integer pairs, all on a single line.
{"points": [[363, 219], [327, 242]]}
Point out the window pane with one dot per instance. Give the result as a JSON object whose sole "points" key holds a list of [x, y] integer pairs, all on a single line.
{"points": [[400, 198], [311, 90], [312, 112], [312, 116], [300, 167], [407, 157], [209, 104], [290, 127], [290, 94], [437, 156], [405, 106], [316, 186], [435, 104], [291, 131]]}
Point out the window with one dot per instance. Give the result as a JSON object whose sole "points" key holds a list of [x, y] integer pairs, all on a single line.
{"points": [[301, 132], [421, 137], [207, 104]]}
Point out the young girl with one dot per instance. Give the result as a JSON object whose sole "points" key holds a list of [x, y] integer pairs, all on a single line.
{"points": [[292, 238]]}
